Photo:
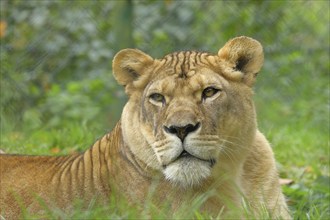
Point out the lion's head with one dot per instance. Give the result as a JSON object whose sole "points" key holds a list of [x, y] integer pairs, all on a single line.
{"points": [[189, 111]]}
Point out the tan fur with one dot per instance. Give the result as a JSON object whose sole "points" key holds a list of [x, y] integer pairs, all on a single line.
{"points": [[191, 101]]}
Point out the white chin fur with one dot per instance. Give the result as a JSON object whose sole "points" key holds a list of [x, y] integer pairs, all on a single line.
{"points": [[187, 172]]}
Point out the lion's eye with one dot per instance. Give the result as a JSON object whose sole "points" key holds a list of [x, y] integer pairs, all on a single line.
{"points": [[157, 98], [209, 92]]}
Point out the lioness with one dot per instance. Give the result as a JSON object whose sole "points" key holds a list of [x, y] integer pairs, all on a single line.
{"points": [[189, 124]]}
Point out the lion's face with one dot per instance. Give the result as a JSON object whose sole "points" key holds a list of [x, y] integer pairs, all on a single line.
{"points": [[179, 116], [189, 110]]}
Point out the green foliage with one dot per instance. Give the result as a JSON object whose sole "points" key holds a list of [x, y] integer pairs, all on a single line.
{"points": [[58, 95]]}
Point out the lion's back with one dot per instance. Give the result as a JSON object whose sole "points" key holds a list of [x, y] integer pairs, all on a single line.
{"points": [[20, 178]]}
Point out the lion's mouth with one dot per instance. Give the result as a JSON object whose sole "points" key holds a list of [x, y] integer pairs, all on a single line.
{"points": [[186, 154]]}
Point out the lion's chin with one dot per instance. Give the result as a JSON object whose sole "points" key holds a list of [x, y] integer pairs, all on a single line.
{"points": [[187, 171]]}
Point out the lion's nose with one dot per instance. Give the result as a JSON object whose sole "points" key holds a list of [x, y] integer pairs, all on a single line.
{"points": [[182, 131]]}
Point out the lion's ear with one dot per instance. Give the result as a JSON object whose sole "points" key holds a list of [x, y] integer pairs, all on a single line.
{"points": [[245, 55], [128, 65]]}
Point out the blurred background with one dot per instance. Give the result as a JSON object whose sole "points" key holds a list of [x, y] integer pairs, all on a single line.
{"points": [[56, 55], [57, 88]]}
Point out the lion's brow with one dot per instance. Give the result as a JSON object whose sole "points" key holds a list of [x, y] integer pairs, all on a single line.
{"points": [[183, 61]]}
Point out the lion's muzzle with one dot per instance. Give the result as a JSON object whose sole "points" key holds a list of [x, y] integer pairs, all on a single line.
{"points": [[182, 131]]}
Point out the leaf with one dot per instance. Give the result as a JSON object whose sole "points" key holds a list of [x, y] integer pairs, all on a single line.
{"points": [[286, 181], [3, 28], [55, 150]]}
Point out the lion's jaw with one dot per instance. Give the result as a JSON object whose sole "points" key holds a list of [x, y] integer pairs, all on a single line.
{"points": [[187, 163], [187, 172]]}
